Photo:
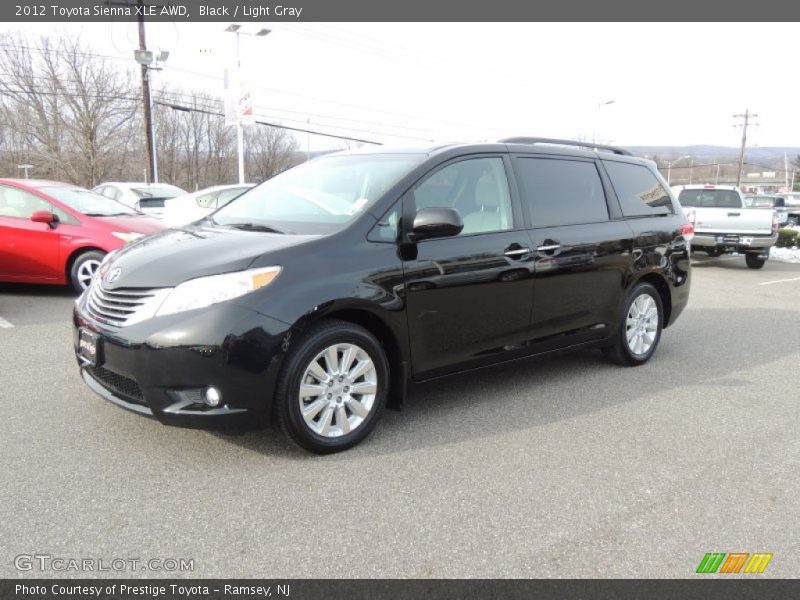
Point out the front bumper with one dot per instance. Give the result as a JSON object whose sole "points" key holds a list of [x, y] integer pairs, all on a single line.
{"points": [[159, 367], [734, 242]]}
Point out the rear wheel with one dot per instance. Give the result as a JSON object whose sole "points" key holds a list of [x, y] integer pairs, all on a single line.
{"points": [[333, 388], [639, 328], [83, 269], [753, 262]]}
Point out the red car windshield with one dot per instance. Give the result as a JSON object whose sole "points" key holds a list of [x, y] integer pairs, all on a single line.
{"points": [[88, 203]]}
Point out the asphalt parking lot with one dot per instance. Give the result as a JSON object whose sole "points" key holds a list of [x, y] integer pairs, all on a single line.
{"points": [[564, 467]]}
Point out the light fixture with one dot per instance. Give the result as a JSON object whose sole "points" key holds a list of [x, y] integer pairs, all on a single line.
{"points": [[233, 28]]}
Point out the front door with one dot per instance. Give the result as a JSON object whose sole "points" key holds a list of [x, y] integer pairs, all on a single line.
{"points": [[468, 296], [28, 250]]}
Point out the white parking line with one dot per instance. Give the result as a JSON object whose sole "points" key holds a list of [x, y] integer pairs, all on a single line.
{"points": [[5, 324], [779, 281]]}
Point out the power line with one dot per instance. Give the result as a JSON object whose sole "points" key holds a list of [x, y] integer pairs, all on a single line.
{"points": [[182, 108]]}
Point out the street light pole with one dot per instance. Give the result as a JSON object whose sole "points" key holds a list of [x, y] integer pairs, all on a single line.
{"points": [[239, 128], [597, 117], [234, 28], [669, 166]]}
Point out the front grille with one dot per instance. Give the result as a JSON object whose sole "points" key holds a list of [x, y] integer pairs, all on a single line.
{"points": [[118, 384], [123, 306]]}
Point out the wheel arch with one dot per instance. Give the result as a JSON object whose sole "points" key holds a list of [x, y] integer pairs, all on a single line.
{"points": [[388, 339], [662, 287]]}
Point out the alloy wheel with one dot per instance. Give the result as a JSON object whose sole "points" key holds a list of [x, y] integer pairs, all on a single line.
{"points": [[641, 324], [338, 390]]}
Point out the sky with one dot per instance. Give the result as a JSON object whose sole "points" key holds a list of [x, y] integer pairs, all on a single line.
{"points": [[416, 83]]}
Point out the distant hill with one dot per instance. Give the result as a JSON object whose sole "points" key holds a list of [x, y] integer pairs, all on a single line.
{"points": [[771, 154]]}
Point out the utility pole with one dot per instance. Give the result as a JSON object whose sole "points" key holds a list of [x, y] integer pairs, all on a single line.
{"points": [[146, 100], [746, 116]]}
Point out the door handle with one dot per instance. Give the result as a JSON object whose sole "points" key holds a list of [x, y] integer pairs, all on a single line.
{"points": [[734, 214], [516, 251], [549, 249]]}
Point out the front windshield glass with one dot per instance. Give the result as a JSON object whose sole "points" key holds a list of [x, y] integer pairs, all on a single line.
{"points": [[317, 197], [88, 203]]}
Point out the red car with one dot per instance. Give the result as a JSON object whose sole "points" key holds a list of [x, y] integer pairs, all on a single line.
{"points": [[58, 233]]}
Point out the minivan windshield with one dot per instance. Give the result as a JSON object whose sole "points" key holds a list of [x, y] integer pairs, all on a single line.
{"points": [[317, 197], [707, 198]]}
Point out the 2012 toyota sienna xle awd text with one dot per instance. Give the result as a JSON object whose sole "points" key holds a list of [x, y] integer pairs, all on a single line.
{"points": [[318, 296]]}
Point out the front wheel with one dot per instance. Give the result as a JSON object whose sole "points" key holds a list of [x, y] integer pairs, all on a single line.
{"points": [[83, 269], [753, 262], [639, 328], [333, 387]]}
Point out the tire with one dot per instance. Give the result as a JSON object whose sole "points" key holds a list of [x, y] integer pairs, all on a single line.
{"points": [[642, 298], [83, 268], [753, 262], [792, 222], [336, 417], [713, 252]]}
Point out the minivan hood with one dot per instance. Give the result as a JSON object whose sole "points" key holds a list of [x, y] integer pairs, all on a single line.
{"points": [[173, 256]]}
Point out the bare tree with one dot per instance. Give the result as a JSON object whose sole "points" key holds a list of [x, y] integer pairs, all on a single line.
{"points": [[71, 113], [269, 151]]}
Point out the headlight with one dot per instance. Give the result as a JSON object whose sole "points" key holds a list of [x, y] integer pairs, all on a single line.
{"points": [[126, 236], [205, 291]]}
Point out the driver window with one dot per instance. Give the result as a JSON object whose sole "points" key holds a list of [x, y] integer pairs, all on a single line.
{"points": [[477, 188], [19, 203]]}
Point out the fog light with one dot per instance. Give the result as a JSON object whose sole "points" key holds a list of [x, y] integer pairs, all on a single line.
{"points": [[212, 396]]}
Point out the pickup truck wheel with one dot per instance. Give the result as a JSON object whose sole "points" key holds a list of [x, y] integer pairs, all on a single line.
{"points": [[333, 388], [713, 252], [639, 327], [793, 221], [753, 262]]}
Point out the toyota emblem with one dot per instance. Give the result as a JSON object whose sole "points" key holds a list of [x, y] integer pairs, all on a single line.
{"points": [[113, 275]]}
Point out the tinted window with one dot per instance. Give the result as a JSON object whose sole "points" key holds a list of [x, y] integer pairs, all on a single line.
{"points": [[477, 188], [710, 198], [562, 192], [638, 190]]}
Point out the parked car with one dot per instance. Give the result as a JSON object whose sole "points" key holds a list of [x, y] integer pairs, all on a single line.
{"points": [[767, 201], [791, 200], [724, 224], [181, 210], [318, 296], [145, 197], [59, 233]]}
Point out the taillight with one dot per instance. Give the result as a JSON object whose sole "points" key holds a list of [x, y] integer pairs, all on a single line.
{"points": [[687, 231], [776, 220]]}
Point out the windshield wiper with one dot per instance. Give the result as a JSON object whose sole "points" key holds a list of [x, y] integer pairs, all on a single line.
{"points": [[117, 214], [254, 227]]}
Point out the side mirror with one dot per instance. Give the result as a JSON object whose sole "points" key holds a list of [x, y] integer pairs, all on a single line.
{"points": [[44, 216], [436, 223]]}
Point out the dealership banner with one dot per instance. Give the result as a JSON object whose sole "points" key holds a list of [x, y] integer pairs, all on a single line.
{"points": [[396, 589], [405, 11]]}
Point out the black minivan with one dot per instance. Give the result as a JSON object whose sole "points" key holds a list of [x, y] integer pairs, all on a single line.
{"points": [[318, 296]]}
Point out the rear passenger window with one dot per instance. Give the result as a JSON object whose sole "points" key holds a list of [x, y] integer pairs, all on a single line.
{"points": [[562, 192], [640, 193]]}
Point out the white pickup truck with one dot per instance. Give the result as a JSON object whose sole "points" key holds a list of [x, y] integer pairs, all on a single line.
{"points": [[723, 223]]}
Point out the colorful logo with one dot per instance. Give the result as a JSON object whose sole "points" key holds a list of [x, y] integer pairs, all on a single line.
{"points": [[714, 562]]}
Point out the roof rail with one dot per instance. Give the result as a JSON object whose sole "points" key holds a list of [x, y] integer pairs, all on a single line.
{"points": [[537, 140]]}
